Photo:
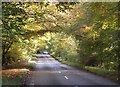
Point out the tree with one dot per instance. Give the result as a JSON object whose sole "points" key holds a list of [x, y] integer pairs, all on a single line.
{"points": [[22, 21]]}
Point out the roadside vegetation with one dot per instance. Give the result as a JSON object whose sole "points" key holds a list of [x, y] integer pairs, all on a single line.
{"points": [[14, 77], [75, 33]]}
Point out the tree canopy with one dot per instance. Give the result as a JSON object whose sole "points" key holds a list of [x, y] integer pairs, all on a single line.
{"points": [[80, 32]]}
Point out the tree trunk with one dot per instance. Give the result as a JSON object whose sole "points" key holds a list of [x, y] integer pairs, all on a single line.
{"points": [[5, 51]]}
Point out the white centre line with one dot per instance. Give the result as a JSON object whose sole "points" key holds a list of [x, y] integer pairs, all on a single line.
{"points": [[66, 77], [47, 61], [32, 83], [59, 71], [76, 86]]}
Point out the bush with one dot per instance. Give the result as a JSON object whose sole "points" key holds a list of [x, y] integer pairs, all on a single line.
{"points": [[17, 54]]}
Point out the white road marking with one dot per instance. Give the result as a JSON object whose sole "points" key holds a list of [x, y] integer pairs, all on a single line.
{"points": [[66, 77], [59, 71], [76, 86], [47, 61], [32, 83]]}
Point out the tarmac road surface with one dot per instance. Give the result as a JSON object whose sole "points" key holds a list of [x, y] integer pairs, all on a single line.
{"points": [[49, 71]]}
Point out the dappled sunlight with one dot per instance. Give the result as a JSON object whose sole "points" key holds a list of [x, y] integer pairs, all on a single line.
{"points": [[13, 71], [31, 61], [33, 27], [74, 33]]}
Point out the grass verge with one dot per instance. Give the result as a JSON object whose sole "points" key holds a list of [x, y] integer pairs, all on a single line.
{"points": [[112, 75], [14, 76]]}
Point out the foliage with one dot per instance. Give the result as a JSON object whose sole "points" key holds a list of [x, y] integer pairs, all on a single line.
{"points": [[24, 21], [98, 37], [62, 46], [81, 33], [12, 21], [17, 53]]}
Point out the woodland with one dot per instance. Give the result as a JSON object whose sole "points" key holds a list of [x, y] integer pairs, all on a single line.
{"points": [[81, 34]]}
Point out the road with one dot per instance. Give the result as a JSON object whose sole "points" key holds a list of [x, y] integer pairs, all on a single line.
{"points": [[49, 71]]}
